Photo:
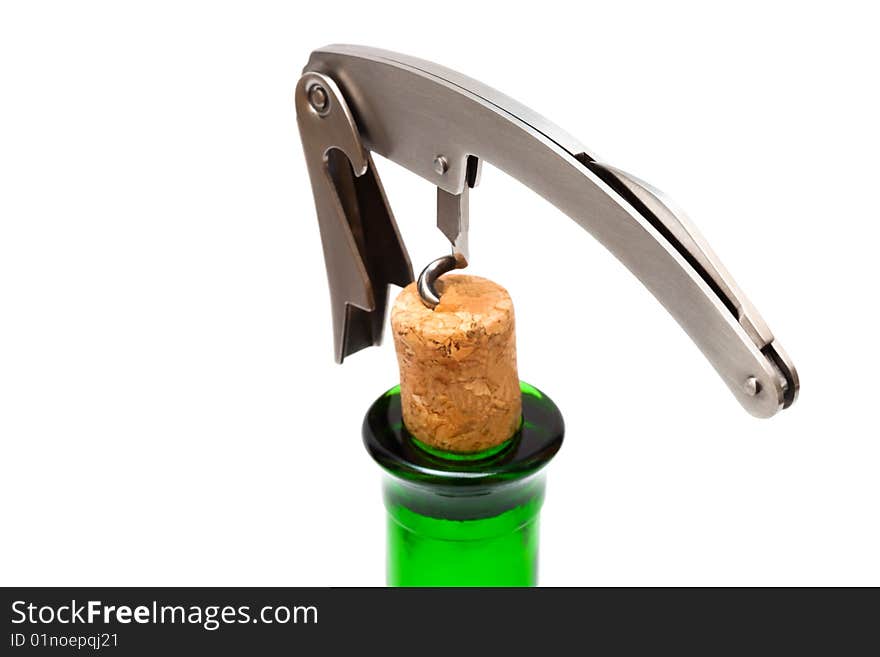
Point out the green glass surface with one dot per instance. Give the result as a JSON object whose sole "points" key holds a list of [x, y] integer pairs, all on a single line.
{"points": [[455, 521]]}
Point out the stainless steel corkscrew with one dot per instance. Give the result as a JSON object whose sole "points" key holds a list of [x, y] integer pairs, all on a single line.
{"points": [[441, 125]]}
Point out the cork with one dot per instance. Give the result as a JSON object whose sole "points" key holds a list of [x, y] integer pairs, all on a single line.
{"points": [[459, 385]]}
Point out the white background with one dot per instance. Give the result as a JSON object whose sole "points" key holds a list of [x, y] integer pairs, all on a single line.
{"points": [[170, 412]]}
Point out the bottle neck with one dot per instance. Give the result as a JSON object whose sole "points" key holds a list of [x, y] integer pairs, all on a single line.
{"points": [[464, 521]]}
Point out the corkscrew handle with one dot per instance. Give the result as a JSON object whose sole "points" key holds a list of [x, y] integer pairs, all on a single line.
{"points": [[442, 125]]}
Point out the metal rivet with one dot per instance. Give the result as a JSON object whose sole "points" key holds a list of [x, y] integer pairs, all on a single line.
{"points": [[318, 99], [752, 386], [441, 164]]}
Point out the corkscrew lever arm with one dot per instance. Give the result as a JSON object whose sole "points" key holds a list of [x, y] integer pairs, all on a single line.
{"points": [[441, 125]]}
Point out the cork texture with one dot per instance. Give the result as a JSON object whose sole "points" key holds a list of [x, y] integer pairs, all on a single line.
{"points": [[458, 379]]}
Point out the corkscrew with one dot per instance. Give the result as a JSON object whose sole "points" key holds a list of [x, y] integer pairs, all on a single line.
{"points": [[441, 125]]}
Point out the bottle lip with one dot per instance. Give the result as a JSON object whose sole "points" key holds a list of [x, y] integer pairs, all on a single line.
{"points": [[538, 439]]}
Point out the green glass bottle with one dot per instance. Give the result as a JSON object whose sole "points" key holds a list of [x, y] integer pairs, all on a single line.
{"points": [[463, 520]]}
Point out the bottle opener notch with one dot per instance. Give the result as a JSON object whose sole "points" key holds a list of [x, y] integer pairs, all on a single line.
{"points": [[363, 250], [442, 125]]}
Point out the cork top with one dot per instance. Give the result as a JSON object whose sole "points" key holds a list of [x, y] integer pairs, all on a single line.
{"points": [[458, 377]]}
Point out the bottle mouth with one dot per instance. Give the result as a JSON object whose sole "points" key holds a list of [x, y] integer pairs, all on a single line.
{"points": [[404, 456], [469, 457]]}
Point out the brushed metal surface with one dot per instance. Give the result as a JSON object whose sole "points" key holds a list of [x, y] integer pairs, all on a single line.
{"points": [[409, 111]]}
